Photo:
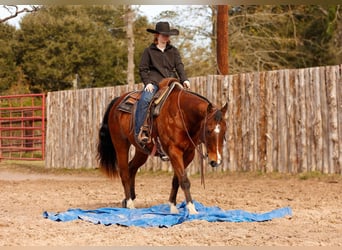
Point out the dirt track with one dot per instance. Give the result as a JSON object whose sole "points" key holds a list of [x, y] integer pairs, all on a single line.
{"points": [[28, 191]]}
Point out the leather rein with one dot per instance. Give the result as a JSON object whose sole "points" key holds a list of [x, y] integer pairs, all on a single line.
{"points": [[198, 148]]}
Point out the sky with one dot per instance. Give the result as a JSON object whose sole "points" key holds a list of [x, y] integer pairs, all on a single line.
{"points": [[150, 11]]}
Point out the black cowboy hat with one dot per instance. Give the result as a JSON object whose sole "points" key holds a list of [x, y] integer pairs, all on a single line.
{"points": [[164, 29]]}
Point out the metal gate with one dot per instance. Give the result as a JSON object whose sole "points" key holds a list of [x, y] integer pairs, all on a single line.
{"points": [[22, 127]]}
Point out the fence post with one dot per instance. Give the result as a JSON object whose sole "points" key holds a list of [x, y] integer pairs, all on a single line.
{"points": [[277, 121]]}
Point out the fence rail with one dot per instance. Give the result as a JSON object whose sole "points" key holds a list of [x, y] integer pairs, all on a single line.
{"points": [[285, 121], [22, 127]]}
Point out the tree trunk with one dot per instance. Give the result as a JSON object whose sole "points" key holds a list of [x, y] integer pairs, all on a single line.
{"points": [[222, 39], [129, 18]]}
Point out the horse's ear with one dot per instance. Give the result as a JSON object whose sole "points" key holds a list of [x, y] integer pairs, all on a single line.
{"points": [[224, 108]]}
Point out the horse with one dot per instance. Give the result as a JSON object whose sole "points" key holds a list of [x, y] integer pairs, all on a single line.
{"points": [[186, 120]]}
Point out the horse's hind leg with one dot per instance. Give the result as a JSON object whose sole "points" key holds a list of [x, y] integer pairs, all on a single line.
{"points": [[138, 160], [122, 160]]}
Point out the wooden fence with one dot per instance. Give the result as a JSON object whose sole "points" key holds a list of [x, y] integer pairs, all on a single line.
{"points": [[285, 121]]}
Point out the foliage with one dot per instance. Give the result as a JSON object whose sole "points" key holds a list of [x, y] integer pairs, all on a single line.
{"points": [[58, 42], [142, 40], [195, 41], [282, 36], [55, 44], [7, 57]]}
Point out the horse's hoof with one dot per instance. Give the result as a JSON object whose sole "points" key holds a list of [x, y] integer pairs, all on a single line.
{"points": [[124, 203], [130, 204], [191, 208], [173, 209]]}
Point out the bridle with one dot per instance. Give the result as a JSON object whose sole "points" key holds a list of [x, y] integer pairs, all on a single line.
{"points": [[202, 129], [203, 139]]}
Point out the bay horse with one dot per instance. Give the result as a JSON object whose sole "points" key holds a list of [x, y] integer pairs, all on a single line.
{"points": [[185, 121]]}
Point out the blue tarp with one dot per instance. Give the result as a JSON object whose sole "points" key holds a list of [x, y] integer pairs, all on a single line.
{"points": [[160, 216]]}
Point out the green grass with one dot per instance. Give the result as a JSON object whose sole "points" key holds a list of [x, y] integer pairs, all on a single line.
{"points": [[316, 175]]}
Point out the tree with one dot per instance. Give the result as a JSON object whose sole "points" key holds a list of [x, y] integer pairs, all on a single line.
{"points": [[272, 37], [196, 41], [59, 42], [222, 39], [142, 39], [8, 71], [129, 20], [56, 44], [14, 10], [336, 41], [317, 25]]}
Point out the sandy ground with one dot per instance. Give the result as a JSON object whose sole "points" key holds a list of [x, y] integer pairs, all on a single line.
{"points": [[28, 190]]}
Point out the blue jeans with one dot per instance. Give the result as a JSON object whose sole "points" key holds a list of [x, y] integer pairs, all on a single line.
{"points": [[142, 106]]}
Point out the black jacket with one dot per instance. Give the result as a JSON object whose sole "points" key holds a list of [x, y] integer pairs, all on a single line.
{"points": [[156, 65]]}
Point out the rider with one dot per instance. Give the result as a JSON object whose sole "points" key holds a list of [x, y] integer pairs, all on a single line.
{"points": [[159, 60]]}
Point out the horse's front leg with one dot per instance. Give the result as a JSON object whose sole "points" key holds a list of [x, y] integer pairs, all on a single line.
{"points": [[173, 195], [179, 162], [185, 185], [187, 159]]}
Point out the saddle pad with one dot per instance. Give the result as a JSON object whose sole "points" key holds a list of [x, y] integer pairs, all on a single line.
{"points": [[127, 103]]}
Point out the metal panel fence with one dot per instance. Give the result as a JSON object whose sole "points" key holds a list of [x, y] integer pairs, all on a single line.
{"points": [[284, 121], [22, 127]]}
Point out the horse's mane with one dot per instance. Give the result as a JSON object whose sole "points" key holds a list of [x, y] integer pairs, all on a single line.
{"points": [[218, 114], [167, 82], [200, 96]]}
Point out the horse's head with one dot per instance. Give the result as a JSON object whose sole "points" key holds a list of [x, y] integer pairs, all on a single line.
{"points": [[214, 134]]}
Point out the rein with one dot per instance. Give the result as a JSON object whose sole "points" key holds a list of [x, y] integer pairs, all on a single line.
{"points": [[199, 149]]}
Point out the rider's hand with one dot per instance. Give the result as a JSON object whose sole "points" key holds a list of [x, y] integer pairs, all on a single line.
{"points": [[186, 84], [149, 87]]}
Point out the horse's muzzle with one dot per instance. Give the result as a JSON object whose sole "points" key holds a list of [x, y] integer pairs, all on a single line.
{"points": [[215, 164]]}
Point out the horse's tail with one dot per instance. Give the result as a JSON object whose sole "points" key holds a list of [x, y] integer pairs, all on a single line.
{"points": [[106, 155]]}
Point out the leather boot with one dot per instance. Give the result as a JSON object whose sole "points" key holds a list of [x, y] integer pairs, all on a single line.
{"points": [[143, 135], [161, 152]]}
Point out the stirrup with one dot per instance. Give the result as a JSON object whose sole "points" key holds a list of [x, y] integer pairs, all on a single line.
{"points": [[143, 135], [164, 157], [161, 152]]}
